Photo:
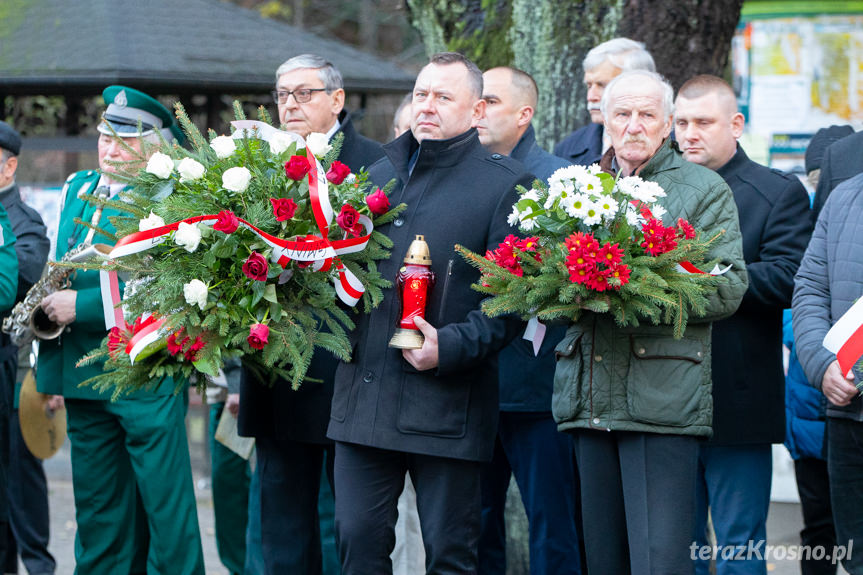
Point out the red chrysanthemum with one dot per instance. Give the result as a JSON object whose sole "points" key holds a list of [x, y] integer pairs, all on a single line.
{"points": [[685, 229], [610, 254]]}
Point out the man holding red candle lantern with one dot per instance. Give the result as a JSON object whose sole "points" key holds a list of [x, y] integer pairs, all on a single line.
{"points": [[430, 411]]}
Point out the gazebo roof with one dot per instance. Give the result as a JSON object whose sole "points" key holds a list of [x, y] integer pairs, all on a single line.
{"points": [[61, 46]]}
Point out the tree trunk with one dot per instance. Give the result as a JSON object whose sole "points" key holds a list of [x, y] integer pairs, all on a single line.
{"points": [[549, 39]]}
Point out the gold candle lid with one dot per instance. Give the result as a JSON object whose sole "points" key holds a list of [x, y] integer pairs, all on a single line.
{"points": [[418, 252]]}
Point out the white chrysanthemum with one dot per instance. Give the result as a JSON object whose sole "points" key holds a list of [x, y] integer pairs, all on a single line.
{"points": [[515, 217], [594, 169], [658, 211], [528, 224], [577, 206], [607, 207], [593, 215]]}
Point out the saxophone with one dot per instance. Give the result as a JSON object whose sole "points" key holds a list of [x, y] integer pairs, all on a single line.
{"points": [[28, 320]]}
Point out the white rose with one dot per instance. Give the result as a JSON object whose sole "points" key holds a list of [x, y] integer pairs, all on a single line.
{"points": [[318, 144], [195, 292], [279, 142], [160, 165], [190, 170], [236, 179], [188, 236], [150, 222], [223, 146]]}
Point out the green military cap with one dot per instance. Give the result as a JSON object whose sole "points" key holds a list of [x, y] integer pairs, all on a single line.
{"points": [[126, 107]]}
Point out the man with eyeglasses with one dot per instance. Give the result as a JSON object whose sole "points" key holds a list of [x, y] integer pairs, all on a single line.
{"points": [[290, 426]]}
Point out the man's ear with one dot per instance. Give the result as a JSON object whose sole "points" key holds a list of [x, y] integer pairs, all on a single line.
{"points": [[478, 112], [666, 131], [11, 166], [525, 115], [738, 122], [338, 100]]}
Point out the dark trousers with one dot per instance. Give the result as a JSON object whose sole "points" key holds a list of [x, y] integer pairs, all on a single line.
{"points": [[8, 557], [813, 485], [734, 484], [28, 505], [845, 467], [290, 473], [638, 501], [529, 446], [368, 484]]}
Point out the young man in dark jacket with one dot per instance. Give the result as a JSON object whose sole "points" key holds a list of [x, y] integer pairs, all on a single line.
{"points": [[432, 411], [736, 466]]}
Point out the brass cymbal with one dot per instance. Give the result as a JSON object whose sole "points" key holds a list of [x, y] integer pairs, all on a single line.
{"points": [[44, 430]]}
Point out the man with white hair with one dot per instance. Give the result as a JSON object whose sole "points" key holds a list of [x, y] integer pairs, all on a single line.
{"points": [[636, 400], [586, 145]]}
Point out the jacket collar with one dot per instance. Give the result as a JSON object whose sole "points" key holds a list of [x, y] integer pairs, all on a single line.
{"points": [[735, 164], [667, 157], [10, 196], [592, 140], [430, 153], [525, 145], [346, 125]]}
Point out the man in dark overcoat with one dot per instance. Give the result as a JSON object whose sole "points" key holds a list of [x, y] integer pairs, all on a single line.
{"points": [[735, 467], [290, 426], [842, 160], [431, 411]]}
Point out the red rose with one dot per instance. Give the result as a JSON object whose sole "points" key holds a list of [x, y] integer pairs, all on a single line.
{"points": [[378, 202], [256, 267], [349, 220], [283, 208], [297, 167], [338, 172], [258, 335], [227, 222]]}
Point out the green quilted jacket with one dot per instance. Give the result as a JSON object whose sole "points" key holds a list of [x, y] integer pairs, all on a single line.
{"points": [[641, 378]]}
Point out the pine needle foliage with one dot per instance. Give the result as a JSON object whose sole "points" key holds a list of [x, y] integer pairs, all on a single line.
{"points": [[297, 300]]}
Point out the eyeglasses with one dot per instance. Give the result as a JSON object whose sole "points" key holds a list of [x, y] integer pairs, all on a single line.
{"points": [[302, 95]]}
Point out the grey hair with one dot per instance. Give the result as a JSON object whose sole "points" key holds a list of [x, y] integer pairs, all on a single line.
{"points": [[667, 90], [624, 53], [327, 73]]}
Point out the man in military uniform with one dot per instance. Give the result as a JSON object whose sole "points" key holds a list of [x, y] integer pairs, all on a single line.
{"points": [[121, 450], [27, 487], [9, 145]]}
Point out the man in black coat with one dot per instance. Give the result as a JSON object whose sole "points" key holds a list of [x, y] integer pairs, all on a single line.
{"points": [[432, 411], [26, 482], [735, 467], [601, 65], [842, 160], [528, 444], [290, 426]]}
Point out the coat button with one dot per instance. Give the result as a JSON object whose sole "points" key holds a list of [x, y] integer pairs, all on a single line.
{"points": [[496, 156], [596, 421], [399, 222], [597, 357], [369, 377], [641, 351], [699, 354]]}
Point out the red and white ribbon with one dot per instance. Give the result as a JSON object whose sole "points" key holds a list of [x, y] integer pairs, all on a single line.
{"points": [[845, 338], [318, 249]]}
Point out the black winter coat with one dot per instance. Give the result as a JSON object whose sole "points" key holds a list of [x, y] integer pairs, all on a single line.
{"points": [[748, 380], [842, 161], [303, 415], [582, 147], [456, 194]]}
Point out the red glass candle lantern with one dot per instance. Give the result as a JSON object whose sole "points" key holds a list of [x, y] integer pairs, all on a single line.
{"points": [[414, 280]]}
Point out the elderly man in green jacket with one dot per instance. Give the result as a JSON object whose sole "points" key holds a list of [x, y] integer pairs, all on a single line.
{"points": [[131, 472], [635, 399]]}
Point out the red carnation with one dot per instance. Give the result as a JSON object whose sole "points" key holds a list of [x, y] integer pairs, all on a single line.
{"points": [[297, 167], [116, 341], [338, 172], [349, 220], [227, 222], [378, 202], [255, 267], [283, 208], [258, 335]]}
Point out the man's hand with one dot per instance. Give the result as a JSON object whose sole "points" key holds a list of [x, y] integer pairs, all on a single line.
{"points": [[232, 404], [60, 306], [836, 387], [55, 403], [425, 357]]}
